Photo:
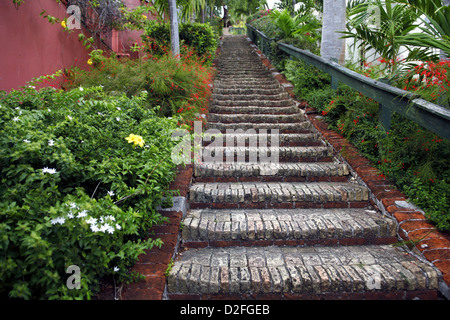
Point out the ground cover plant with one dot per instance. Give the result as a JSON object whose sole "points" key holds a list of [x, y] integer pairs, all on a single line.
{"points": [[82, 173]]}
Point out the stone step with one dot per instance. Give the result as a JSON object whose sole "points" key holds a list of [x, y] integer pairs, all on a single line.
{"points": [[246, 85], [246, 97], [283, 195], [300, 127], [246, 82], [261, 118], [254, 109], [339, 226], [270, 172], [252, 138], [220, 153], [260, 102], [299, 272], [248, 72], [247, 91]]}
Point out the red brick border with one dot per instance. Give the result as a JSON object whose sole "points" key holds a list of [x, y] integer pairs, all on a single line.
{"points": [[153, 264], [433, 246]]}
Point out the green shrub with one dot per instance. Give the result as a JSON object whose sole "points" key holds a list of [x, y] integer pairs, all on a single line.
{"points": [[197, 37], [305, 77], [415, 159], [201, 37], [74, 190], [177, 87]]}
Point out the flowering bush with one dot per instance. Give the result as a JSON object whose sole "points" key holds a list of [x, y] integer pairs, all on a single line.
{"points": [[74, 191], [180, 88], [430, 81]]}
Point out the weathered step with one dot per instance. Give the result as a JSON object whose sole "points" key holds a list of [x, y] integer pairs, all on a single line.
{"points": [[247, 91], [240, 138], [260, 102], [246, 82], [253, 109], [286, 195], [247, 96], [246, 85], [299, 272], [239, 227], [265, 172], [301, 127], [215, 153], [261, 118], [233, 72]]}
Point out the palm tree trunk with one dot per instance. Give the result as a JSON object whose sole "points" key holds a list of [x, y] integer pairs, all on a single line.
{"points": [[333, 20], [174, 35], [442, 54]]}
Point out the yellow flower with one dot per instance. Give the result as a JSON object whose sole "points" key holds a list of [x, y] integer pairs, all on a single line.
{"points": [[89, 62], [137, 140], [63, 24], [144, 16]]}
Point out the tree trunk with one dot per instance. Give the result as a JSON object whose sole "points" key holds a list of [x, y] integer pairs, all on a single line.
{"points": [[333, 20], [174, 35], [442, 54]]}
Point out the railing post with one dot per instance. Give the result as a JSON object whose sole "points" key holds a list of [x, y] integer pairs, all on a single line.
{"points": [[385, 115], [334, 81]]}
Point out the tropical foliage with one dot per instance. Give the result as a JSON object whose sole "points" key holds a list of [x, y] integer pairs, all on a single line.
{"points": [[82, 175]]}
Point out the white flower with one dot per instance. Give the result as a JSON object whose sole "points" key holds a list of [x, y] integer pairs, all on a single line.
{"points": [[104, 227], [203, 116], [110, 229], [49, 170], [101, 114], [16, 119], [51, 142], [59, 220], [20, 112], [110, 217], [82, 214], [81, 89], [111, 193], [73, 205], [49, 110], [118, 108], [94, 228], [70, 118], [117, 118], [91, 221], [116, 269], [118, 227], [26, 140], [70, 215]]}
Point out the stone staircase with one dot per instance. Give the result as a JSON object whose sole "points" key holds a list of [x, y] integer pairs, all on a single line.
{"points": [[277, 215]]}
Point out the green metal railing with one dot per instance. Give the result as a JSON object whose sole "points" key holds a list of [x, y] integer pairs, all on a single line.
{"points": [[391, 99]]}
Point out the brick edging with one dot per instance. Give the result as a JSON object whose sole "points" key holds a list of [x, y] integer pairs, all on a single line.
{"points": [[154, 263], [412, 224]]}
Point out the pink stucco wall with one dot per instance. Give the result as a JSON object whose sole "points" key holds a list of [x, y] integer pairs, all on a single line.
{"points": [[32, 47]]}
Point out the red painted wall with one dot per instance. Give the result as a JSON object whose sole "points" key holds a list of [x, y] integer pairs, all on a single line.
{"points": [[30, 46]]}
